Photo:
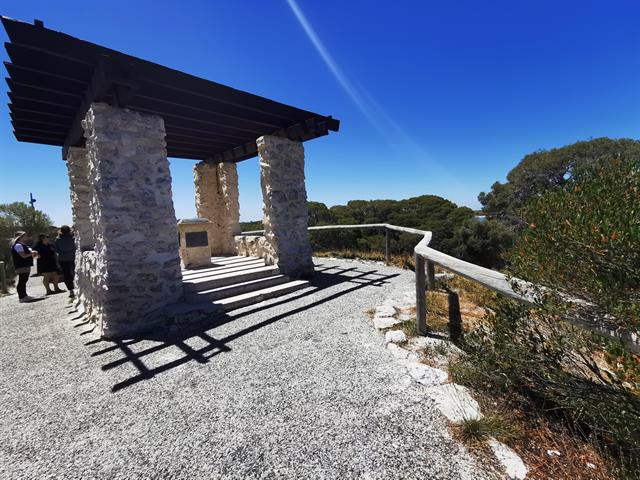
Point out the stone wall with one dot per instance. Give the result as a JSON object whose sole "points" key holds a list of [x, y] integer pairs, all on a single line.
{"points": [[135, 266], [284, 194], [78, 169], [217, 200], [255, 246]]}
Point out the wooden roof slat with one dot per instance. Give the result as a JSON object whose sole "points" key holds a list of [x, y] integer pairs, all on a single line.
{"points": [[54, 77], [190, 113], [27, 114]]}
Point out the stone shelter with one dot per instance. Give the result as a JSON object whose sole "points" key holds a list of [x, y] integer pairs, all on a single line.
{"points": [[117, 118]]}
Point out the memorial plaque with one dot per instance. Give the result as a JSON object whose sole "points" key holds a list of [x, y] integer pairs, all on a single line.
{"points": [[196, 239]]}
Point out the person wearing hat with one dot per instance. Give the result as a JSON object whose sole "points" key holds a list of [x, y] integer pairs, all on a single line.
{"points": [[22, 261]]}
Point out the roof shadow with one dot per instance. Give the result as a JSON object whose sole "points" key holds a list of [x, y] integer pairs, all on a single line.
{"points": [[145, 351]]}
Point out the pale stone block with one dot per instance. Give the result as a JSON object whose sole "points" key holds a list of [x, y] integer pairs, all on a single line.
{"points": [[135, 269], [285, 204], [194, 256], [80, 190], [217, 200]]}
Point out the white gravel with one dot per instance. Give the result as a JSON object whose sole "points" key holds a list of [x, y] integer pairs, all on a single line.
{"points": [[296, 387]]}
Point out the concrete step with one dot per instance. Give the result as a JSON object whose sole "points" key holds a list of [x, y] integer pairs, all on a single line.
{"points": [[236, 289], [217, 262], [257, 296], [231, 259], [203, 272], [213, 281]]}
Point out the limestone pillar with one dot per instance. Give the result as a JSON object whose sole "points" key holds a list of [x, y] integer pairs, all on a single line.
{"points": [[217, 200], [137, 267], [78, 168], [286, 216]]}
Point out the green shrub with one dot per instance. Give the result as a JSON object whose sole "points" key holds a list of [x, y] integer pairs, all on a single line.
{"points": [[582, 241], [585, 240]]}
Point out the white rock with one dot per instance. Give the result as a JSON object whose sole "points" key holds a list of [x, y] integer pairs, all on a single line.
{"points": [[513, 465], [395, 336], [553, 453], [455, 402], [385, 322], [385, 311], [427, 375], [397, 351]]}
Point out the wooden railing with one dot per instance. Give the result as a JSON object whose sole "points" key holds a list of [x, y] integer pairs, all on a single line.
{"points": [[426, 258]]}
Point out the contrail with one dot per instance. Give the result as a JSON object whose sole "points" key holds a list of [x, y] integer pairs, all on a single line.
{"points": [[340, 76], [374, 113]]}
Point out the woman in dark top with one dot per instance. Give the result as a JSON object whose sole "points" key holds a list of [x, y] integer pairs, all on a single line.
{"points": [[65, 247], [47, 264]]}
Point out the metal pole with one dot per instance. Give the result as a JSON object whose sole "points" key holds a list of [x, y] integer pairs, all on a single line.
{"points": [[3, 279], [431, 275], [386, 245], [421, 296]]}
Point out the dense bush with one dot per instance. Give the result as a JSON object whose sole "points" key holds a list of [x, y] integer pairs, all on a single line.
{"points": [[585, 239], [482, 243], [581, 241]]}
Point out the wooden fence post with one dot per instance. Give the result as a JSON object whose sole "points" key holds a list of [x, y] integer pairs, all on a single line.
{"points": [[3, 279], [455, 317], [386, 244], [421, 296], [431, 275]]}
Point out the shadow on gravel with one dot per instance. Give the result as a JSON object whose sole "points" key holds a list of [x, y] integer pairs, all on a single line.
{"points": [[136, 351]]}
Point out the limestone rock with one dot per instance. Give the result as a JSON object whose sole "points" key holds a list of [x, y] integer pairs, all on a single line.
{"points": [[455, 402], [513, 465], [385, 311], [397, 351], [427, 375], [395, 336], [385, 322]]}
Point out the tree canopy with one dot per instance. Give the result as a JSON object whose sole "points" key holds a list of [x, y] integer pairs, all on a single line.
{"points": [[547, 170]]}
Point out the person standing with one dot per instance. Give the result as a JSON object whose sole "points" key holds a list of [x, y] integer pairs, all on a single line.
{"points": [[22, 256], [65, 247], [47, 264]]}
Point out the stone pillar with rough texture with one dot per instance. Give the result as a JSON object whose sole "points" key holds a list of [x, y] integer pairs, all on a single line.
{"points": [[78, 168], [136, 266], [286, 216], [217, 200]]}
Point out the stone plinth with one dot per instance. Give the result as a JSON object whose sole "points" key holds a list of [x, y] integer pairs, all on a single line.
{"points": [[284, 194], [195, 250], [78, 169], [135, 264], [217, 200]]}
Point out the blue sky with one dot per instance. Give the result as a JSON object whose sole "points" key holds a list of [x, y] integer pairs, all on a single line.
{"points": [[434, 97]]}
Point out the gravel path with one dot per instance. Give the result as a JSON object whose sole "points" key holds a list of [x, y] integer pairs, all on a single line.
{"points": [[296, 387]]}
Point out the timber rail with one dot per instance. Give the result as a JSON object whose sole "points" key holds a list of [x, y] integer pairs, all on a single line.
{"points": [[426, 258]]}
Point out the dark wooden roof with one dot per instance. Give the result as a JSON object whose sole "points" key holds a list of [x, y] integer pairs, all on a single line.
{"points": [[53, 78]]}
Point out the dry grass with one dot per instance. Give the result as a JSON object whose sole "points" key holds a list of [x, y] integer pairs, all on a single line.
{"points": [[478, 430]]}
